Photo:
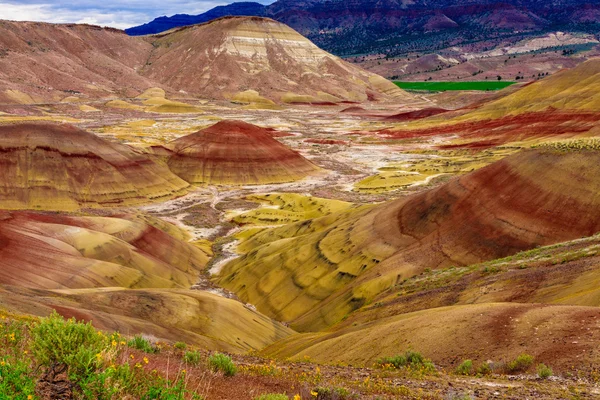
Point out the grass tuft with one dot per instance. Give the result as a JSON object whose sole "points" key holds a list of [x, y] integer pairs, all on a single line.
{"points": [[520, 364], [222, 363], [465, 368], [544, 371], [143, 344], [192, 357]]}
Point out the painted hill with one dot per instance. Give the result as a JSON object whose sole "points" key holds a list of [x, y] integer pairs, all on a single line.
{"points": [[232, 55], [198, 318], [42, 62], [53, 251], [502, 306], [576, 89], [60, 167], [562, 106], [235, 152], [499, 332], [242, 59], [122, 273], [313, 274]]}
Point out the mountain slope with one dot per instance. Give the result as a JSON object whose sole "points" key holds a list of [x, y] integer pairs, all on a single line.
{"points": [[123, 274], [162, 24], [499, 332], [455, 312], [49, 62], [375, 26], [314, 273]]}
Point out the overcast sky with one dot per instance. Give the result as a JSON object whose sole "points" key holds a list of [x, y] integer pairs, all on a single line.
{"points": [[117, 13]]}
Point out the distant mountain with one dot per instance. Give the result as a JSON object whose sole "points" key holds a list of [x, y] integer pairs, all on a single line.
{"points": [[346, 27], [162, 24]]}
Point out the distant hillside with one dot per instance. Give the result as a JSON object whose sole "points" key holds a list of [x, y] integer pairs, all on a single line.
{"points": [[346, 27], [249, 60]]}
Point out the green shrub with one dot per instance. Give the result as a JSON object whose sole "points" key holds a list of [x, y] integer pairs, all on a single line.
{"points": [[272, 397], [221, 362], [403, 360], [140, 343], [520, 364], [77, 346], [544, 371], [90, 359], [410, 360], [124, 381], [484, 369], [162, 390], [465, 368], [16, 380], [398, 361], [192, 357], [180, 346], [113, 382]]}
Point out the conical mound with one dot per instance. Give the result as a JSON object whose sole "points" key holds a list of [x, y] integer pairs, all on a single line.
{"points": [[61, 167], [228, 56], [235, 152]]}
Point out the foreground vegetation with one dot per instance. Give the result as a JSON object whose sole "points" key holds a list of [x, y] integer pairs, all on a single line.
{"points": [[54, 358], [58, 358]]}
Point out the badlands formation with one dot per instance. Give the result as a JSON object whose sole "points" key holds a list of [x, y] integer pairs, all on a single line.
{"points": [[230, 187], [235, 152], [250, 60], [61, 167]]}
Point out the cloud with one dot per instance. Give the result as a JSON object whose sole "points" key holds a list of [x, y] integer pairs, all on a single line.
{"points": [[119, 14]]}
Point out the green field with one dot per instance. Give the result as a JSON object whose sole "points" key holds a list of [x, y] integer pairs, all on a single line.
{"points": [[444, 86]]}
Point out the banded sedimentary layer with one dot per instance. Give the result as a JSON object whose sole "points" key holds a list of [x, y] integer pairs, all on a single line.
{"points": [[224, 59], [195, 317], [314, 273], [235, 152], [60, 167], [562, 106], [53, 251]]}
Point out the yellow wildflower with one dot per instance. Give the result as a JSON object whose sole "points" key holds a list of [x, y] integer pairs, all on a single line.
{"points": [[132, 356], [146, 360], [313, 393], [297, 397]]}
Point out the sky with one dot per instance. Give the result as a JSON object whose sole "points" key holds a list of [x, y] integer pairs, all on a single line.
{"points": [[116, 13]]}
